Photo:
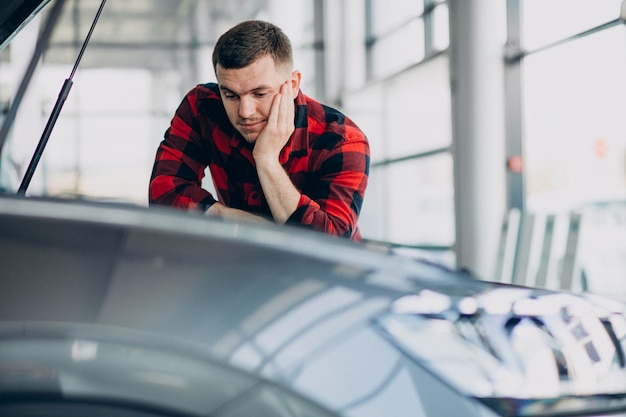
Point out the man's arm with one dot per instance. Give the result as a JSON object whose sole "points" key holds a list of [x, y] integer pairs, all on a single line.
{"points": [[225, 212], [179, 164], [281, 195], [179, 168], [333, 203]]}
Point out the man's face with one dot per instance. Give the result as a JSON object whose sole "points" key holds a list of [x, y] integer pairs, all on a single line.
{"points": [[248, 92]]}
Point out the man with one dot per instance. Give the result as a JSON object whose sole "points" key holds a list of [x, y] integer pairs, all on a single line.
{"points": [[274, 154]]}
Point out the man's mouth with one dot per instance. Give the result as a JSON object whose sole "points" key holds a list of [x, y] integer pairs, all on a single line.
{"points": [[250, 126]]}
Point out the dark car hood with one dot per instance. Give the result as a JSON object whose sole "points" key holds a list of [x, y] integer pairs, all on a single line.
{"points": [[297, 307], [14, 15]]}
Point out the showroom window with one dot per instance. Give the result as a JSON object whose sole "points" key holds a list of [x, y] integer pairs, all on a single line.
{"points": [[570, 57], [574, 98], [401, 33], [404, 108]]}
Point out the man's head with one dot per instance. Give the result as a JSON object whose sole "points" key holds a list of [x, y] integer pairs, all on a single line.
{"points": [[248, 41], [252, 61]]}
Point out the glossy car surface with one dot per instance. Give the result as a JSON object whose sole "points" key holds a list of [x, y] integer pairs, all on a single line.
{"points": [[113, 310], [168, 313]]}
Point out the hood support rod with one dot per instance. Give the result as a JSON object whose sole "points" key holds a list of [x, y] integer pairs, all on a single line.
{"points": [[63, 94]]}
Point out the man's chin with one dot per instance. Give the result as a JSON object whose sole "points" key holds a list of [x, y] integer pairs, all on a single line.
{"points": [[249, 137], [251, 134]]}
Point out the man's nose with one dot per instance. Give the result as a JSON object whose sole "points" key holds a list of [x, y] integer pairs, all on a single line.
{"points": [[246, 107]]}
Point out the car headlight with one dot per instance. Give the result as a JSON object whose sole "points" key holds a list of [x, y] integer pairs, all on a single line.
{"points": [[522, 352]]}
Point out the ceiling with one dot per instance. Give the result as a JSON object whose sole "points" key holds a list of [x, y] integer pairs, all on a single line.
{"points": [[143, 33]]}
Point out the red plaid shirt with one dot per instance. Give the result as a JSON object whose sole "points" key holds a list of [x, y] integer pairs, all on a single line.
{"points": [[326, 158]]}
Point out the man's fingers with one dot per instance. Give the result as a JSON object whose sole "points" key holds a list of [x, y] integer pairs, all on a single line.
{"points": [[286, 105], [275, 109]]}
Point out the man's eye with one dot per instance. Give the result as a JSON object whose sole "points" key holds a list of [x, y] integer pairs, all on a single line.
{"points": [[230, 96], [260, 94]]}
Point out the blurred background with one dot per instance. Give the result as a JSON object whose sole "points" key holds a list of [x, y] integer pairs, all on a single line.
{"points": [[497, 129]]}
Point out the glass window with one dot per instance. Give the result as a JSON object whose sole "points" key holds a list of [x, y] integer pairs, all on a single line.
{"points": [[419, 198], [417, 108], [305, 62], [398, 50], [387, 15], [366, 107], [544, 22], [407, 114], [354, 56], [297, 21], [373, 218], [441, 27], [108, 110], [408, 202], [574, 124], [397, 32], [411, 203]]}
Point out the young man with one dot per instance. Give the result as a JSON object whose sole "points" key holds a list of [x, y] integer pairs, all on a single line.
{"points": [[274, 154]]}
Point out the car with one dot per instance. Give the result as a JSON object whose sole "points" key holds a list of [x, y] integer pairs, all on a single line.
{"points": [[124, 310], [115, 309]]}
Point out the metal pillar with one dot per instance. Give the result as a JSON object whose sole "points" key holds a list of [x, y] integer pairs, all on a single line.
{"points": [[477, 81]]}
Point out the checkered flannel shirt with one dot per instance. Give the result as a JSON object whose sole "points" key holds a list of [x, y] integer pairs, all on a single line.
{"points": [[326, 158]]}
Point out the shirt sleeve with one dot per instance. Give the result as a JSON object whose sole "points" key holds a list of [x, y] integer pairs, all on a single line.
{"points": [[332, 205], [180, 163]]}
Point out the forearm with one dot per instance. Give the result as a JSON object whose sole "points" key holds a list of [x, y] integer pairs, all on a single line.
{"points": [[179, 165], [281, 195], [169, 187]]}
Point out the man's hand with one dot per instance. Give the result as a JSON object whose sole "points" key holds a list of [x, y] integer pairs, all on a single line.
{"points": [[220, 210], [281, 195], [279, 127]]}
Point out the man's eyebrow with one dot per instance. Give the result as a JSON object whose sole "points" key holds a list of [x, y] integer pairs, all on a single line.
{"points": [[261, 87]]}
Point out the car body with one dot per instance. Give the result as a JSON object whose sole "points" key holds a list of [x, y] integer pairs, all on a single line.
{"points": [[118, 310], [165, 312]]}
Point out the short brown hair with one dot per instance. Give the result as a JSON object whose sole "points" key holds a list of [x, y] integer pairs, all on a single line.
{"points": [[248, 41]]}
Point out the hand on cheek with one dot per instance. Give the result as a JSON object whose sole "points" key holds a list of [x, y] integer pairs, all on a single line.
{"points": [[280, 125]]}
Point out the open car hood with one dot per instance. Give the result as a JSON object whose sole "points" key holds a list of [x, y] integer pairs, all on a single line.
{"points": [[117, 302], [14, 15]]}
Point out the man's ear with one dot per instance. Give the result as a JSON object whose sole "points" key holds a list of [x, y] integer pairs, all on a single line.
{"points": [[296, 77]]}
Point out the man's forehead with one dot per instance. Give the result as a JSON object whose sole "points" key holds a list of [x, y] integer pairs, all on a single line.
{"points": [[264, 66], [241, 91], [239, 83]]}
